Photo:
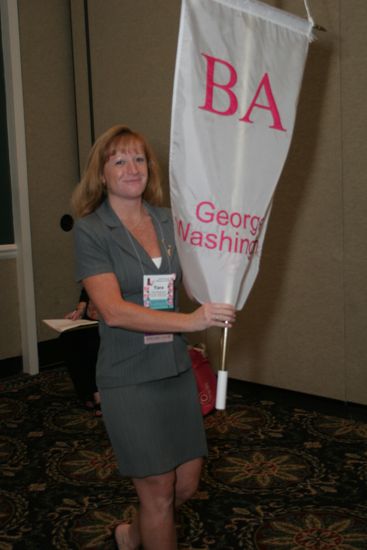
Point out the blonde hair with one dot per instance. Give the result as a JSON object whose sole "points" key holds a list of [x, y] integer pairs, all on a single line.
{"points": [[91, 191]]}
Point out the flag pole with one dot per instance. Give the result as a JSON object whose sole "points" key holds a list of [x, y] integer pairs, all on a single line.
{"points": [[220, 402]]}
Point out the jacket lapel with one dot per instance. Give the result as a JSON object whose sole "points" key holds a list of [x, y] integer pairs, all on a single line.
{"points": [[117, 231], [129, 244]]}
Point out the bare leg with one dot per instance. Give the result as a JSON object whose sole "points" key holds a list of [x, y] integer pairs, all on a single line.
{"points": [[159, 496], [156, 512], [97, 404], [187, 480]]}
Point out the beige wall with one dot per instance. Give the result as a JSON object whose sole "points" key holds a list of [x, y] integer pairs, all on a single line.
{"points": [[303, 327], [52, 165], [133, 47], [354, 169], [52, 157], [10, 339]]}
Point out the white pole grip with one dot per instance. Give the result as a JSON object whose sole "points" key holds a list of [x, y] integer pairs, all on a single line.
{"points": [[220, 402]]}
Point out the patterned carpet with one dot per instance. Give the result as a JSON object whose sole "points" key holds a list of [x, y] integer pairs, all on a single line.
{"points": [[281, 475]]}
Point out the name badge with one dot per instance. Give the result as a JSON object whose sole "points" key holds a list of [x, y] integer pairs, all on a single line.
{"points": [[158, 294]]}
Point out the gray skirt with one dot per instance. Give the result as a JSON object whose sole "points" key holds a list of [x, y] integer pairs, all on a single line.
{"points": [[155, 426]]}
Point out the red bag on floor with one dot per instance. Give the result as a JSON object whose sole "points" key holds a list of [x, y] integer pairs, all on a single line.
{"points": [[206, 379]]}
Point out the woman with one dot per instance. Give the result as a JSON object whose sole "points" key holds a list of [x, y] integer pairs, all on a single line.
{"points": [[128, 264]]}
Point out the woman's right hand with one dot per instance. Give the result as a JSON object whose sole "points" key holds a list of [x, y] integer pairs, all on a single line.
{"points": [[213, 315]]}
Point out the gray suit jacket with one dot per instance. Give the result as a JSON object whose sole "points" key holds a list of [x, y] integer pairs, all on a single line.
{"points": [[103, 245]]}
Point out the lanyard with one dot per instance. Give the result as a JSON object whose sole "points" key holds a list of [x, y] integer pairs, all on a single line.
{"points": [[167, 248]]}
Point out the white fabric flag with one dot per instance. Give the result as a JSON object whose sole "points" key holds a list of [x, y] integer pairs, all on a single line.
{"points": [[238, 73]]}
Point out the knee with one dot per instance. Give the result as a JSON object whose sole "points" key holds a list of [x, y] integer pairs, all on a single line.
{"points": [[187, 481], [184, 491], [157, 495]]}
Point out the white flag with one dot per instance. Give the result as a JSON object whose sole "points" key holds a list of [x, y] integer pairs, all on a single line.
{"points": [[238, 73]]}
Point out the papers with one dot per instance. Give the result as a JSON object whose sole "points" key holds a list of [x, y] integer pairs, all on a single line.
{"points": [[62, 325]]}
